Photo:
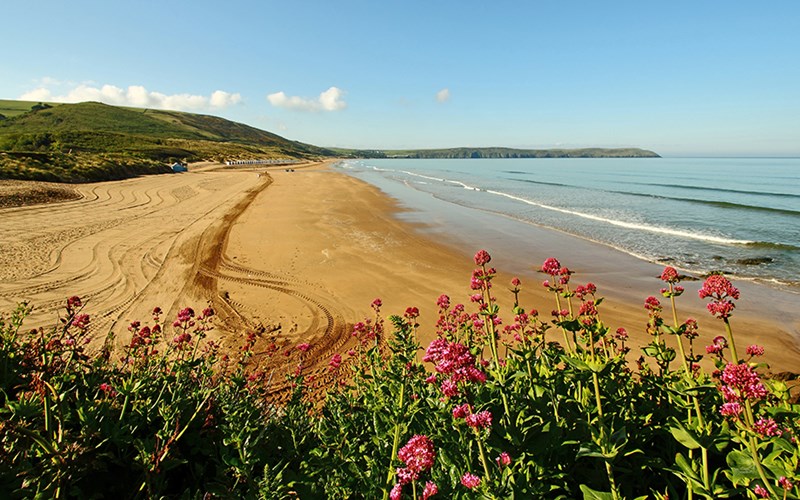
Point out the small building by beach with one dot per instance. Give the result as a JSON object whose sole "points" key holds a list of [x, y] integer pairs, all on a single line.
{"points": [[179, 167]]}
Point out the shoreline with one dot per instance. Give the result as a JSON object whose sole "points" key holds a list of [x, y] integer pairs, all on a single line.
{"points": [[300, 255], [394, 253]]}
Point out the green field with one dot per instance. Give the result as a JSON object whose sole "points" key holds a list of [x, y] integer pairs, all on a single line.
{"points": [[13, 108], [92, 141]]}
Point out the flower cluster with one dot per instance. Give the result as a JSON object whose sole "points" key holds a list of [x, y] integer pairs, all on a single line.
{"points": [[418, 455], [741, 383], [470, 480], [455, 361], [766, 427], [480, 420], [720, 290]]}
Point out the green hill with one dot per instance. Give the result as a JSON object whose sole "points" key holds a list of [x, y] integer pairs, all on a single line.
{"points": [[503, 153], [91, 141]]}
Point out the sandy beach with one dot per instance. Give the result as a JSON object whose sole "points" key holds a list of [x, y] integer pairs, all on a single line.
{"points": [[301, 255]]}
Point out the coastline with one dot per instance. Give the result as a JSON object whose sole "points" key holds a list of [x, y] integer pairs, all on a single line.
{"points": [[351, 242], [300, 255]]}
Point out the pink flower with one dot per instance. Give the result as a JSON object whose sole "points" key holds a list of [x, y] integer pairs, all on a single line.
{"points": [[730, 409], [482, 258], [760, 491], [785, 483], [430, 490], [755, 350], [397, 491], [335, 362], [717, 345], [449, 388], [743, 379], [185, 314], [670, 275], [582, 291], [418, 454], [766, 427], [443, 301], [515, 282], [471, 481], [107, 390], [412, 313], [304, 347], [720, 290], [462, 411], [81, 321], [74, 302], [721, 309], [718, 287], [652, 304], [503, 460], [551, 266], [622, 334], [454, 360], [182, 340], [480, 420], [588, 309], [376, 304]]}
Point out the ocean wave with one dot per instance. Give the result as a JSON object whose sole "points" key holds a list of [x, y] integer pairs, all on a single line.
{"points": [[712, 203], [770, 244], [628, 225], [681, 233], [721, 190]]}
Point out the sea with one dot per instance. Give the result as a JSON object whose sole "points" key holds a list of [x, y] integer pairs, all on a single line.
{"points": [[740, 216]]}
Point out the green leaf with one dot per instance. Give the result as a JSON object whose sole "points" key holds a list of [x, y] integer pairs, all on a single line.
{"points": [[683, 436], [590, 494], [742, 466], [576, 363]]}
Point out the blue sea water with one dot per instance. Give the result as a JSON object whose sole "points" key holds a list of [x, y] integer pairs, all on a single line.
{"points": [[741, 216]]}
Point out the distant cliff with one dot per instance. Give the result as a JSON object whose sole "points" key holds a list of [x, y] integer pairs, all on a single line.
{"points": [[522, 153]]}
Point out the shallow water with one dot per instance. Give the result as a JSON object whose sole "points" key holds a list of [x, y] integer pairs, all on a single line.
{"points": [[741, 216]]}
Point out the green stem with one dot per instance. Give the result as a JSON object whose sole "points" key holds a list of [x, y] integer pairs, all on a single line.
{"points": [[563, 330], [730, 339], [395, 445], [680, 341], [482, 453], [753, 445]]}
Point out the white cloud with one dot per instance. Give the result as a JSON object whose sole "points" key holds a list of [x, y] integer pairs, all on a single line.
{"points": [[222, 99], [39, 94], [443, 95], [330, 100], [135, 95]]}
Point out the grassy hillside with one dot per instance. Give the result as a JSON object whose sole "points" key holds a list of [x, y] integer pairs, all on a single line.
{"points": [[92, 141]]}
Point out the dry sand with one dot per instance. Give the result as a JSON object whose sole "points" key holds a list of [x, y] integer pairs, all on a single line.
{"points": [[297, 254]]}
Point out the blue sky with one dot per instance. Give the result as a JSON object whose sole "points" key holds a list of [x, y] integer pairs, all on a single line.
{"points": [[715, 78]]}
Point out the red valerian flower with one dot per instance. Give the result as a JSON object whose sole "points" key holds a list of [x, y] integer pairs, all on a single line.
{"points": [[470, 480], [551, 266], [418, 454], [670, 275], [503, 460], [430, 490], [480, 420], [482, 258]]}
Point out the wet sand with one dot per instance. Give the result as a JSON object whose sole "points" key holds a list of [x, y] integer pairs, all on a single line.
{"points": [[302, 255]]}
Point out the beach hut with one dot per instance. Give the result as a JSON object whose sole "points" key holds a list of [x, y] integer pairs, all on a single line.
{"points": [[179, 167]]}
